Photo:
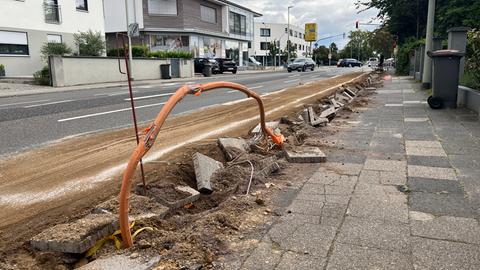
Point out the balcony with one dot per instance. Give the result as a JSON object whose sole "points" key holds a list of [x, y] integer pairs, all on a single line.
{"points": [[53, 13]]}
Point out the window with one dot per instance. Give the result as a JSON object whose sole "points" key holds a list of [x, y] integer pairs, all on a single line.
{"points": [[162, 7], [263, 46], [82, 5], [291, 32], [15, 43], [264, 32], [238, 24], [249, 44], [54, 38], [296, 34], [208, 14]]}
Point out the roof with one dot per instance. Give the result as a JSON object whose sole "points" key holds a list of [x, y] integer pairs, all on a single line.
{"points": [[229, 3]]}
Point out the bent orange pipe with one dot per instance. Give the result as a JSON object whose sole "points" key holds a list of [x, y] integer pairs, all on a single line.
{"points": [[151, 134]]}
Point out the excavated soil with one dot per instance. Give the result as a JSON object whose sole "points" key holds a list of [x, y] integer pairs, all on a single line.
{"points": [[62, 182]]}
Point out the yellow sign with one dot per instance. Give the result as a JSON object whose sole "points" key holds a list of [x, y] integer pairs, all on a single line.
{"points": [[310, 32]]}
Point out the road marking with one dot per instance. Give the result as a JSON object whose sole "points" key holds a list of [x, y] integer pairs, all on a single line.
{"points": [[108, 112], [152, 96], [25, 102], [255, 87], [169, 84], [291, 81], [292, 76], [232, 91], [145, 86], [50, 103], [122, 93]]}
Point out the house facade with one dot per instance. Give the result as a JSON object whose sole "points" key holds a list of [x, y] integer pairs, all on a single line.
{"points": [[25, 25], [266, 33], [207, 28]]}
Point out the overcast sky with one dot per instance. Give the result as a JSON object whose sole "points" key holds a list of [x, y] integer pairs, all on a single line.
{"points": [[332, 16]]}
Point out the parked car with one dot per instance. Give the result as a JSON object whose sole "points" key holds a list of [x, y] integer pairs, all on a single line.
{"points": [[199, 65], [227, 64], [372, 62], [301, 64], [350, 62]]}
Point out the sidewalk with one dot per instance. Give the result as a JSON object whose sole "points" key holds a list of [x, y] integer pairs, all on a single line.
{"points": [[402, 192], [18, 89]]}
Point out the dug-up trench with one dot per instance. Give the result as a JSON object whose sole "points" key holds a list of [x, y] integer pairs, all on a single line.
{"points": [[210, 233]]}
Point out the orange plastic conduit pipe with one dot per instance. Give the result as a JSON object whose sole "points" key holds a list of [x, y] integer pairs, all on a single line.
{"points": [[151, 134]]}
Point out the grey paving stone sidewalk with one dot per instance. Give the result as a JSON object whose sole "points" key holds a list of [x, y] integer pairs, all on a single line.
{"points": [[402, 193]]}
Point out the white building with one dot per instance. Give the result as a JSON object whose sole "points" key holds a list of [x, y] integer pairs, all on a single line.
{"points": [[25, 25], [207, 28], [266, 33]]}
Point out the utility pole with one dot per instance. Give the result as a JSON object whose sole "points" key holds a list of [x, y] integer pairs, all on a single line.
{"points": [[427, 67], [130, 56], [288, 35]]}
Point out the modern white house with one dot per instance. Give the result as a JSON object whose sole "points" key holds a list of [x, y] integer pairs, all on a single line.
{"points": [[266, 33], [207, 28], [25, 25]]}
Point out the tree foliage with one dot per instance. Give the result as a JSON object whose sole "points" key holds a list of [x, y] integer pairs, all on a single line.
{"points": [[54, 49], [472, 69], [90, 43]]}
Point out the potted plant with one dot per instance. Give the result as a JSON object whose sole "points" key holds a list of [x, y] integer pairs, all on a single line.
{"points": [[2, 70]]}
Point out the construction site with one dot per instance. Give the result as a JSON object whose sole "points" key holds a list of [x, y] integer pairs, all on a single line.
{"points": [[212, 182]]}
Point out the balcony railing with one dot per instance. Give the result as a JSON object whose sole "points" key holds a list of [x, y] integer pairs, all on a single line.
{"points": [[53, 13]]}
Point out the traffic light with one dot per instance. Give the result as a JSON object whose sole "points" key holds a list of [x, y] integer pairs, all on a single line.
{"points": [[356, 24], [344, 35]]}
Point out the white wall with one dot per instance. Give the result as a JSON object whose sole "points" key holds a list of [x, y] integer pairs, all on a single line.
{"points": [[115, 14], [29, 14], [277, 32]]}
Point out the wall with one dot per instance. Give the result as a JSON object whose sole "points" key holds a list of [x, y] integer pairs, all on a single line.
{"points": [[277, 32], [468, 98], [115, 14], [68, 71]]}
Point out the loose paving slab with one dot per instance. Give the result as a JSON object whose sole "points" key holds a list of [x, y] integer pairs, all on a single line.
{"points": [[122, 262], [305, 155], [205, 167], [431, 172], [233, 147]]}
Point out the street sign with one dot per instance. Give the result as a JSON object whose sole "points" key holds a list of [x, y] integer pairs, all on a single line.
{"points": [[133, 30], [310, 32], [329, 56]]}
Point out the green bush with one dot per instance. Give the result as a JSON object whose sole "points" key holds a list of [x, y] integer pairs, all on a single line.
{"points": [[89, 43], [403, 55], [171, 54], [472, 68], [42, 77], [137, 51], [2, 67], [51, 49]]}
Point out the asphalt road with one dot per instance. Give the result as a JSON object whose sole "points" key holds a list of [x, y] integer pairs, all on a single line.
{"points": [[31, 121]]}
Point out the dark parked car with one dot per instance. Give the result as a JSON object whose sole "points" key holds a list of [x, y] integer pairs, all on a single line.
{"points": [[349, 63], [301, 64], [199, 64], [227, 64]]}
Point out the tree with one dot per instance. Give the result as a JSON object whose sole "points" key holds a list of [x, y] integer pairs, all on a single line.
{"points": [[273, 50], [358, 46], [381, 41], [54, 49], [320, 54], [293, 50], [90, 43]]}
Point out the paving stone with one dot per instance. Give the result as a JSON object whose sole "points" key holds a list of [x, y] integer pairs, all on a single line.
{"points": [[233, 147], [431, 172], [429, 152], [272, 125], [434, 185], [344, 168], [435, 254], [458, 229], [375, 234], [305, 155], [205, 167], [291, 260], [423, 144], [361, 258], [306, 207], [311, 239], [194, 196], [418, 119], [122, 262], [78, 236], [429, 161], [441, 204], [265, 256], [385, 165], [420, 216], [465, 161], [140, 207], [394, 209]]}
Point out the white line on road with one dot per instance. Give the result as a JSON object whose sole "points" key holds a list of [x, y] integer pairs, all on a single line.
{"points": [[25, 102], [169, 84], [291, 81], [145, 86], [292, 76], [152, 96], [50, 103], [233, 91], [108, 112], [255, 87], [122, 93]]}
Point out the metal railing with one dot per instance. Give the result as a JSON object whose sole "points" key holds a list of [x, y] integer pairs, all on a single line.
{"points": [[53, 13]]}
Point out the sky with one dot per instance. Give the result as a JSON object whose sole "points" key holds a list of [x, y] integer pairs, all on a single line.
{"points": [[332, 16]]}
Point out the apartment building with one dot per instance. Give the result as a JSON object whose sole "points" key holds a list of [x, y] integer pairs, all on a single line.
{"points": [[266, 33], [25, 25], [207, 28]]}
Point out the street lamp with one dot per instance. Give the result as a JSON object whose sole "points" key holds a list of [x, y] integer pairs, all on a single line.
{"points": [[266, 48], [288, 34]]}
